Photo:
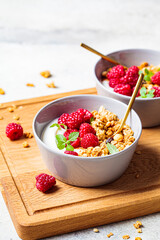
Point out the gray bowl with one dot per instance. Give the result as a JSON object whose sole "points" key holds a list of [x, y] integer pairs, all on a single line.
{"points": [[147, 109], [81, 171]]}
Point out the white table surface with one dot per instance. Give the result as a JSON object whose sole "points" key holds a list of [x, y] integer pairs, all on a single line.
{"points": [[46, 34]]}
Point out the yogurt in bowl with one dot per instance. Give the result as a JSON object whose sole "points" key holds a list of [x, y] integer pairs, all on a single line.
{"points": [[84, 171]]}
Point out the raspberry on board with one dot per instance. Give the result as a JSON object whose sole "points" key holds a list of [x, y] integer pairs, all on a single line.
{"points": [[71, 153], [156, 78], [86, 128], [44, 182], [156, 92], [74, 120], [116, 72], [123, 89], [14, 131], [63, 119], [89, 140]]}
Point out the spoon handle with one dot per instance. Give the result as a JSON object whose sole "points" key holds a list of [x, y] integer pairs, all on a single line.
{"points": [[131, 101], [98, 53]]}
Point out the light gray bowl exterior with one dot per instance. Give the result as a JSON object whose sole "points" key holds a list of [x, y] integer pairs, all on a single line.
{"points": [[147, 109], [81, 171]]}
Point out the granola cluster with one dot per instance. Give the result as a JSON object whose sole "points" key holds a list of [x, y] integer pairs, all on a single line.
{"points": [[106, 124]]}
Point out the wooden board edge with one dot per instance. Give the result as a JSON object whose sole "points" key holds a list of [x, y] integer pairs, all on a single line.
{"points": [[49, 97]]}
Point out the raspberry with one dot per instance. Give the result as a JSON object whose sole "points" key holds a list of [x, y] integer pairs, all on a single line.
{"points": [[71, 153], [116, 72], [123, 89], [86, 128], [85, 114], [113, 82], [131, 76], [14, 131], [63, 119], [89, 140], [76, 143], [44, 182], [156, 92], [74, 120], [66, 133], [156, 78]]}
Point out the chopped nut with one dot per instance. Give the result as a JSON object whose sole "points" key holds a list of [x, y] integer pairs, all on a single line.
{"points": [[137, 175], [126, 237], [138, 238], [1, 118], [137, 225], [11, 109], [25, 144], [51, 85], [144, 64], [96, 230], [45, 74], [138, 152], [30, 85], [28, 135], [104, 73], [118, 137], [2, 92], [139, 230], [15, 117], [110, 234]]}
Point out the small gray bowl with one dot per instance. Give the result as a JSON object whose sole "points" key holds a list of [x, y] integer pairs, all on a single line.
{"points": [[81, 171], [147, 109]]}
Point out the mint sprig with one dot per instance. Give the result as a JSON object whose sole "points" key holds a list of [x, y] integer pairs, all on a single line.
{"points": [[111, 148], [58, 125], [144, 94], [91, 119], [148, 75], [62, 141]]}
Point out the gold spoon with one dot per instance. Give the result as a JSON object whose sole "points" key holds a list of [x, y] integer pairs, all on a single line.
{"points": [[99, 54], [140, 79]]}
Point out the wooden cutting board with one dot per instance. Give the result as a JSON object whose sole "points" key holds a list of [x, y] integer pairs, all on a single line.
{"points": [[67, 208]]}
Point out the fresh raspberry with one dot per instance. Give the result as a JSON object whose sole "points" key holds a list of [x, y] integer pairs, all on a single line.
{"points": [[68, 131], [113, 82], [14, 131], [71, 153], [131, 76], [89, 140], [123, 89], [44, 182], [156, 92], [156, 78], [74, 120], [76, 143], [63, 119], [85, 114], [116, 72], [86, 128]]}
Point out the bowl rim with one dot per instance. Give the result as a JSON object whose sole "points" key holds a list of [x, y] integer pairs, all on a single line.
{"points": [[117, 94], [100, 158]]}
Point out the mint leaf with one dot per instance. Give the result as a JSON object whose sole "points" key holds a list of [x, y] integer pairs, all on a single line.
{"points": [[146, 71], [111, 148], [58, 125], [150, 93], [73, 136], [158, 70], [69, 147], [147, 78], [60, 141], [140, 71], [55, 125], [143, 92], [91, 119]]}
